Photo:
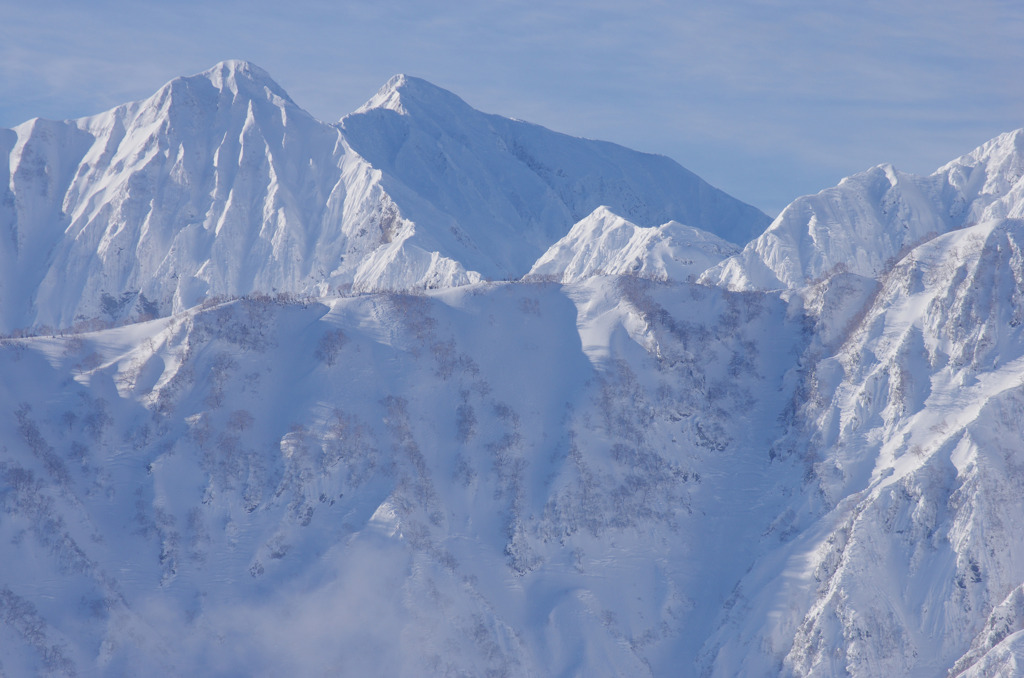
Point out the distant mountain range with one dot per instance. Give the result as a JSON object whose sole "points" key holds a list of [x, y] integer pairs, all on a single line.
{"points": [[428, 391], [220, 185]]}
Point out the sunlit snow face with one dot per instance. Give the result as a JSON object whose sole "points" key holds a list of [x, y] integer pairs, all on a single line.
{"points": [[769, 101]]}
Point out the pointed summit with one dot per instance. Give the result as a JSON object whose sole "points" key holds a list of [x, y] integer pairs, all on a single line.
{"points": [[991, 179], [603, 243], [228, 85], [405, 94], [220, 185], [870, 219], [237, 77], [234, 71]]}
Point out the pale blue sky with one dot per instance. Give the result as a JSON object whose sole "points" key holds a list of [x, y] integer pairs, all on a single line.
{"points": [[767, 99]]}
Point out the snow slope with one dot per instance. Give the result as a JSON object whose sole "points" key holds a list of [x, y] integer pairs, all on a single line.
{"points": [[615, 476], [220, 185], [523, 479], [911, 434], [870, 220], [809, 463], [605, 243]]}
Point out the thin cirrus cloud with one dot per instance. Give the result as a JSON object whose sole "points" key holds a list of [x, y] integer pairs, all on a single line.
{"points": [[767, 99]]}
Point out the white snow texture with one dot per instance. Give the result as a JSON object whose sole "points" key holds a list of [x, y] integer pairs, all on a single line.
{"points": [[428, 391]]}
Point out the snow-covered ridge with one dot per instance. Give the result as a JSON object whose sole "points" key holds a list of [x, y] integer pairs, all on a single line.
{"points": [[219, 184], [500, 191], [465, 479], [817, 473], [903, 556], [871, 219], [483, 450], [606, 244]]}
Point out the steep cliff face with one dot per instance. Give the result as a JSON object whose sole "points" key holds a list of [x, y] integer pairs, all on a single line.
{"points": [[911, 435]]}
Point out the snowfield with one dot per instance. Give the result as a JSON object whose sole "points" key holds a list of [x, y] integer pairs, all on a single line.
{"points": [[432, 392]]}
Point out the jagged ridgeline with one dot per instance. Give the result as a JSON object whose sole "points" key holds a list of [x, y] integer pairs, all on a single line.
{"points": [[433, 392], [219, 185]]}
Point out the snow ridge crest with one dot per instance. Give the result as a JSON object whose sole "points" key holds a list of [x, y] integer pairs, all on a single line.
{"points": [[220, 185]]}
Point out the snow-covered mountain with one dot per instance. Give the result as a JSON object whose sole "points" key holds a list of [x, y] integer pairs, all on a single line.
{"points": [[510, 478], [807, 463], [870, 220], [220, 185], [911, 436], [605, 243]]}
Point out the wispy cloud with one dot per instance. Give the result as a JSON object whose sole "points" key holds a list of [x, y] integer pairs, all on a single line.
{"points": [[346, 617]]}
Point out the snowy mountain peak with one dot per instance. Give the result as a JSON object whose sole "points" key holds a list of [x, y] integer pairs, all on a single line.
{"points": [[1004, 152], [405, 94], [990, 179], [603, 218], [603, 243], [387, 97], [220, 185], [233, 70], [496, 193], [239, 78], [871, 219]]}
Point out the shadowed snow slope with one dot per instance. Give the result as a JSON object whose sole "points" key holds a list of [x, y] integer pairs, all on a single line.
{"points": [[912, 435], [517, 479], [220, 185]]}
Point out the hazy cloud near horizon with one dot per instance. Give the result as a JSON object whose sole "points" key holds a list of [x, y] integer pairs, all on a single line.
{"points": [[764, 98]]}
